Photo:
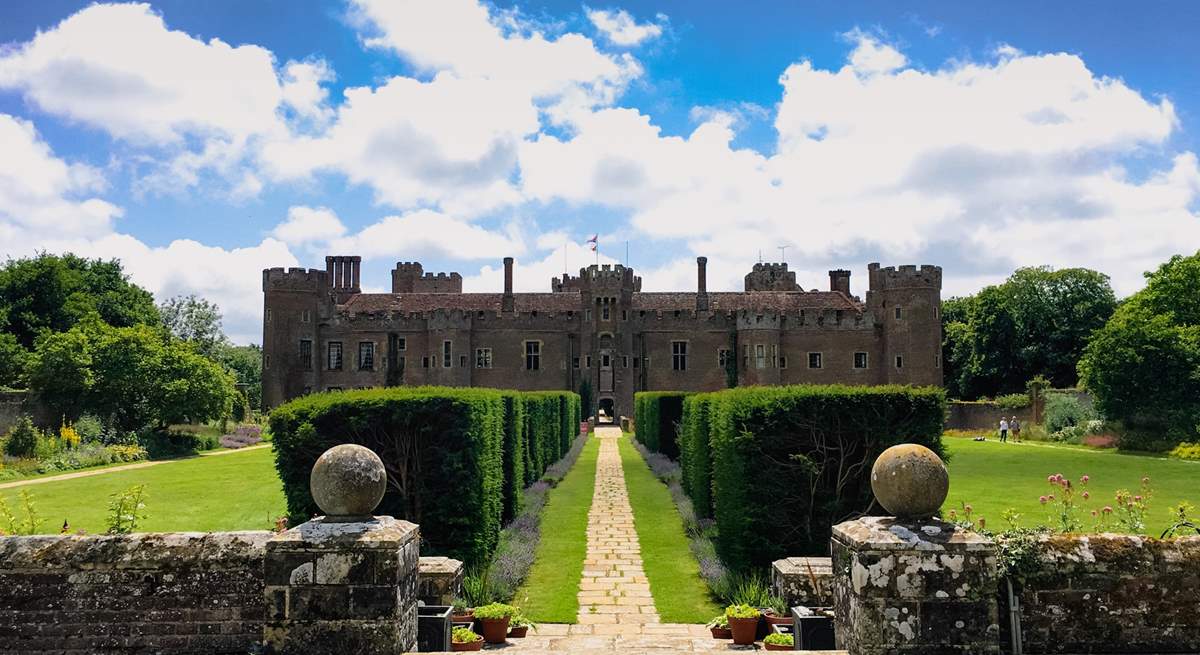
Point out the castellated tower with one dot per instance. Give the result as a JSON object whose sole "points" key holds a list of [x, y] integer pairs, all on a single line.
{"points": [[295, 301], [906, 303]]}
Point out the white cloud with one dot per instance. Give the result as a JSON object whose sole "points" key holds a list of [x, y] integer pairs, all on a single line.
{"points": [[870, 55], [535, 274], [309, 224], [621, 29], [425, 232]]}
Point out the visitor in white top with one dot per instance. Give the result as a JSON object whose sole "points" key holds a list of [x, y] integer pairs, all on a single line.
{"points": [[1003, 429]]}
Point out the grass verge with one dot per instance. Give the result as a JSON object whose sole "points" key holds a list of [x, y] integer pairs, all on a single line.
{"points": [[680, 595], [992, 477], [238, 491], [550, 592]]}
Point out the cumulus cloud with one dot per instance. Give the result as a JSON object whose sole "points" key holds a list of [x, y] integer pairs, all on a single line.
{"points": [[426, 232], [533, 273], [620, 28], [308, 225]]}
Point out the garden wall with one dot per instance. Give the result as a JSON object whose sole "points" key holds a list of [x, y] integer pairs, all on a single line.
{"points": [[1109, 594], [186, 592], [175, 592], [982, 415]]}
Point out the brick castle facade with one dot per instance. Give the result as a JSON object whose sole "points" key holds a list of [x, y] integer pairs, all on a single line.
{"points": [[320, 332]]}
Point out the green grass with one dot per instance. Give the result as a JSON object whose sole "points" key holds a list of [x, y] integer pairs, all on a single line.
{"points": [[47, 474], [680, 595], [238, 491], [992, 477], [550, 592]]}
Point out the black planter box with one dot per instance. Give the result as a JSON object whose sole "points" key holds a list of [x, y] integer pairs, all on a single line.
{"points": [[433, 628], [812, 631]]}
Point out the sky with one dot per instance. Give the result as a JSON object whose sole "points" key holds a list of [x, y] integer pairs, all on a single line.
{"points": [[201, 142]]}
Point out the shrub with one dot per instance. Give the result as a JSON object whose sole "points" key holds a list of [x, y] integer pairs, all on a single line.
{"points": [[442, 449], [89, 428], [1013, 401], [1186, 450], [778, 639], [23, 440], [694, 458], [657, 415], [125, 509], [1065, 410], [741, 612], [242, 436], [170, 444], [805, 453], [464, 636], [495, 611], [514, 453]]}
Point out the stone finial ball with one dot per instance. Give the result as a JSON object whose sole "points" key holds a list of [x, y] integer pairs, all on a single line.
{"points": [[910, 481], [348, 480]]}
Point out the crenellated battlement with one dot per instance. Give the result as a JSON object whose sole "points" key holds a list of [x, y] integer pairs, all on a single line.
{"points": [[906, 276], [410, 277], [295, 279], [771, 277]]}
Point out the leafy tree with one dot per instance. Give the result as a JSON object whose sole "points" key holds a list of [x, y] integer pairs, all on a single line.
{"points": [[194, 319], [192, 388], [14, 362], [1143, 366], [60, 371], [53, 293], [1036, 323], [245, 363]]}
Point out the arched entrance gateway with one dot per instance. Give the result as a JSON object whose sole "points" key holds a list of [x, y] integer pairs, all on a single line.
{"points": [[606, 411]]}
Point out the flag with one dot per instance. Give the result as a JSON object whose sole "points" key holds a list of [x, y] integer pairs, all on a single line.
{"points": [[593, 242]]}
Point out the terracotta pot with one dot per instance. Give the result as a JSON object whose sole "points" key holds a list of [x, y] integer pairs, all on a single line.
{"points": [[721, 633], [519, 632], [464, 617], [772, 619], [743, 630], [494, 630], [778, 647], [474, 645]]}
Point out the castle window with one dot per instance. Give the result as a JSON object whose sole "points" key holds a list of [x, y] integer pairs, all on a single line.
{"points": [[587, 314], [424, 362], [801, 317], [589, 362], [746, 356], [635, 362], [306, 354], [814, 360], [723, 359], [860, 360], [266, 361], [936, 312], [533, 355], [676, 313], [605, 362], [624, 361], [401, 343], [483, 358], [624, 315], [899, 361], [937, 361], [898, 313], [575, 362], [605, 311], [447, 354], [268, 315], [306, 316], [462, 361], [774, 356], [760, 356], [333, 351], [366, 356], [678, 355], [782, 361]]}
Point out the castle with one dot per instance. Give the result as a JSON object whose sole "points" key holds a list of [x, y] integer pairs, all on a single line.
{"points": [[320, 332]]}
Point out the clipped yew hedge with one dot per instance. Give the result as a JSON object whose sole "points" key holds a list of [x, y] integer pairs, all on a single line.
{"points": [[456, 458], [788, 463], [656, 417], [695, 462]]}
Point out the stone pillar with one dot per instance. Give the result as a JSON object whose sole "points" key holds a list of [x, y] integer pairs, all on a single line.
{"points": [[439, 580], [345, 582], [342, 588], [914, 587]]}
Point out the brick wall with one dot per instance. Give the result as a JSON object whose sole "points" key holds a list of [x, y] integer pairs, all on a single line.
{"points": [[174, 592], [1110, 594]]}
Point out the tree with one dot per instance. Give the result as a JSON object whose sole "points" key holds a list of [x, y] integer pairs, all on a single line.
{"points": [[14, 362], [1036, 323], [60, 372], [193, 387], [245, 363], [53, 293], [1143, 366], [194, 319]]}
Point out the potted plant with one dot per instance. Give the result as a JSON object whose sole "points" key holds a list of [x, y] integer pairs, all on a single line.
{"points": [[743, 623], [778, 641], [462, 612], [520, 626], [465, 639], [776, 612], [493, 621], [719, 627]]}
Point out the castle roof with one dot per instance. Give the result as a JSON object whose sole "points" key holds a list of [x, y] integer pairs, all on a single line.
{"points": [[721, 301]]}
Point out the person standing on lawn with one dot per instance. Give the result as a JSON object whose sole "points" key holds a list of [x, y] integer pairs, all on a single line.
{"points": [[1015, 426], [1003, 429]]}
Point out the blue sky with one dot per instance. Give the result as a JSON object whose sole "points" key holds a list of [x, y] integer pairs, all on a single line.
{"points": [[202, 142]]}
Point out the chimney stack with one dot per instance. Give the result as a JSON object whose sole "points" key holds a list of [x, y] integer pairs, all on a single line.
{"points": [[507, 304], [839, 280], [702, 284]]}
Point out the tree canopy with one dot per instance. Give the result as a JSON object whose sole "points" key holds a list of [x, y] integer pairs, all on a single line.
{"points": [[194, 319], [1036, 323], [1143, 366]]}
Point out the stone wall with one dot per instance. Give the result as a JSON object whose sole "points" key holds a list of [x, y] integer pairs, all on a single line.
{"points": [[982, 415], [169, 592], [1110, 594], [804, 581]]}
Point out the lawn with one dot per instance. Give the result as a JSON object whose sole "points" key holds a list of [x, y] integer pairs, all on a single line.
{"points": [[992, 477], [550, 592], [237, 491], [679, 594]]}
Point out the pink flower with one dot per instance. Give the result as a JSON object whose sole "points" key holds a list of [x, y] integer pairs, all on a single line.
{"points": [[1050, 497], [967, 509], [1084, 479], [1042, 500], [1093, 513], [1137, 499], [1108, 509], [1051, 478], [1086, 495]]}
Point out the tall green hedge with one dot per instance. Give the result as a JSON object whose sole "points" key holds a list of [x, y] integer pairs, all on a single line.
{"points": [[790, 462], [656, 418], [456, 458], [694, 458]]}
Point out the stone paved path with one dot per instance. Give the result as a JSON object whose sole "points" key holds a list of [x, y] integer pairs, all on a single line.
{"points": [[126, 467]]}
